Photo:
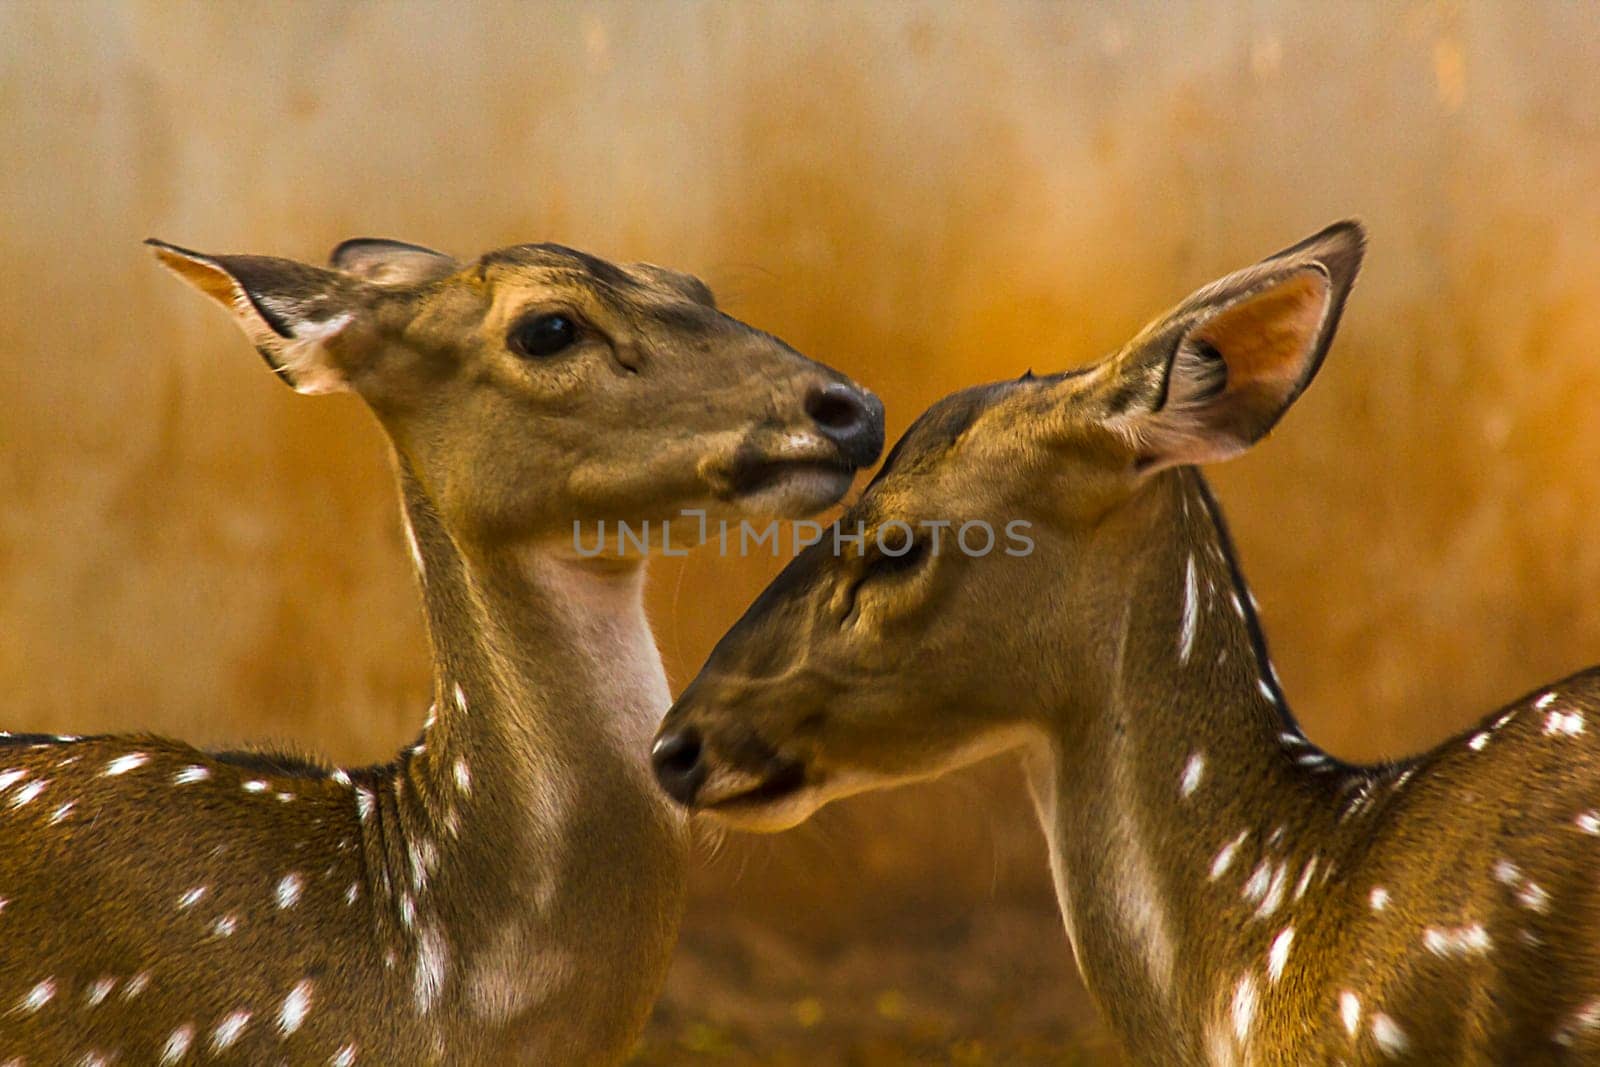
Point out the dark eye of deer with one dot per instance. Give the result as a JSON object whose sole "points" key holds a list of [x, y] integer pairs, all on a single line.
{"points": [[542, 335], [908, 557]]}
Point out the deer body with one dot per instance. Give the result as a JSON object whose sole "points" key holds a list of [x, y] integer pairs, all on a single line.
{"points": [[505, 884], [1232, 894], [508, 888]]}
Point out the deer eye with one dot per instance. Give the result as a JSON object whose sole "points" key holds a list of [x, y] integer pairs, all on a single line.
{"points": [[542, 335], [885, 564]]}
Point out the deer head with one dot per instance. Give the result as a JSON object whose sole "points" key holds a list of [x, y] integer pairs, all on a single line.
{"points": [[538, 385], [998, 547]]}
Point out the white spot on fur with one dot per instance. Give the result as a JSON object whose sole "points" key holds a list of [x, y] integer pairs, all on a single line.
{"points": [[225, 926], [461, 698], [341, 777], [1192, 773], [11, 777], [124, 764], [1255, 887], [28, 792], [1390, 1038], [1456, 941], [1224, 860], [1358, 800], [1191, 611], [191, 898], [1244, 1008], [1585, 1019], [99, 990], [295, 1007], [178, 1042], [1304, 883], [190, 775], [345, 1057], [1569, 724], [1350, 1012], [37, 997], [1274, 894], [1378, 899], [136, 985], [1534, 898], [1266, 690], [1588, 822], [463, 777], [1545, 701], [433, 955], [229, 1029], [255, 785], [352, 893], [1507, 873], [1478, 741], [420, 865], [1278, 955], [364, 804], [288, 891]]}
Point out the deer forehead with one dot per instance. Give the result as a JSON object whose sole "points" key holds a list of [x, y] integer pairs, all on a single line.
{"points": [[531, 272]]}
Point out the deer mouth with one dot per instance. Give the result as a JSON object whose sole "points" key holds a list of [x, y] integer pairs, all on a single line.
{"points": [[787, 473], [760, 475], [782, 782], [781, 800]]}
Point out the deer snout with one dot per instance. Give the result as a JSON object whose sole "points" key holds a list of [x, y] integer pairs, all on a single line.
{"points": [[850, 417], [679, 768]]}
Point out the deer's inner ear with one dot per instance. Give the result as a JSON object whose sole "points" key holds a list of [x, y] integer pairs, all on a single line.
{"points": [[1265, 340], [1212, 376], [1234, 373]]}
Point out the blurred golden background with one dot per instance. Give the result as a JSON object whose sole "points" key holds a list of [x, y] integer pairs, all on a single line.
{"points": [[924, 195]]}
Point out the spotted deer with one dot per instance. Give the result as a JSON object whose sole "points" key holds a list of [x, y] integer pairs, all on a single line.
{"points": [[1232, 893], [507, 889]]}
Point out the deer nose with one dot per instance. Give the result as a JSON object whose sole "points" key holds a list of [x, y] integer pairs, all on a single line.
{"points": [[851, 418], [677, 763]]}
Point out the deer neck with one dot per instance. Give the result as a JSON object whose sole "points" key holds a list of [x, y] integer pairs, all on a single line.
{"points": [[550, 860], [1181, 802]]}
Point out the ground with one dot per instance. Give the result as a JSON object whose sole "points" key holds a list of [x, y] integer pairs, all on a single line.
{"points": [[997, 988]]}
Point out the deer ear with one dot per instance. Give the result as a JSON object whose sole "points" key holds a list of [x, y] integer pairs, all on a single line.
{"points": [[303, 320], [385, 262], [1212, 377]]}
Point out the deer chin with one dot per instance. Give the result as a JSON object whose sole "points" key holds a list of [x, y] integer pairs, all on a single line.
{"points": [[781, 800], [787, 475], [791, 488]]}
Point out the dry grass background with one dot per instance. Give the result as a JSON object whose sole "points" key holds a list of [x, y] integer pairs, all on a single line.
{"points": [[925, 195]]}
